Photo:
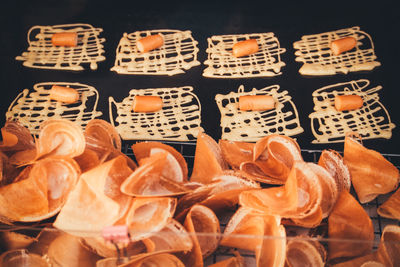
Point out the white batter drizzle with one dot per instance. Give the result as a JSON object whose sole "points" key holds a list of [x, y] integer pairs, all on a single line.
{"points": [[32, 108], [179, 119], [315, 53], [250, 126], [372, 120], [178, 53], [264, 63], [43, 54]]}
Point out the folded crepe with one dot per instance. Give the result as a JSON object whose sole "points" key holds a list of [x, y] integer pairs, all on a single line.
{"points": [[203, 226], [273, 158], [153, 178], [175, 160], [391, 207], [96, 201], [333, 162], [40, 190], [303, 251], [371, 173], [236, 152], [16, 137], [208, 160], [349, 221]]}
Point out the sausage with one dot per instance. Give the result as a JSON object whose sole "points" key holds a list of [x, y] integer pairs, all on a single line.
{"points": [[256, 102], [65, 39], [348, 102], [245, 48], [64, 94], [148, 103], [342, 45], [149, 43]]}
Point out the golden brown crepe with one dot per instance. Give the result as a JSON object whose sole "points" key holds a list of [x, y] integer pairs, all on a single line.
{"points": [[391, 207], [39, 191], [349, 221], [235, 152], [303, 251], [96, 201], [371, 173], [333, 162], [273, 158], [208, 160], [16, 137], [203, 226]]}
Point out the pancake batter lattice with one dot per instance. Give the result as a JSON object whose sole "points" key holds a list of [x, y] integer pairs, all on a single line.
{"points": [[43, 54], [177, 54], [178, 120], [315, 53], [222, 64], [32, 108], [372, 120], [250, 126]]}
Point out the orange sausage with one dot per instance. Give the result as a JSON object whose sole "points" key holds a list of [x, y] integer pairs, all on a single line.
{"points": [[64, 94], [245, 48], [342, 45], [148, 103], [149, 43], [256, 102], [65, 39], [348, 102]]}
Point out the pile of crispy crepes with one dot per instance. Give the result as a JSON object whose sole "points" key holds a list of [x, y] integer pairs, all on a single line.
{"points": [[84, 181]]}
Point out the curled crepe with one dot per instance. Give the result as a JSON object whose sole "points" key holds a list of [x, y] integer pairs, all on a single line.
{"points": [[221, 194], [60, 137], [272, 250], [175, 160], [257, 232], [203, 225], [8, 171], [235, 152], [299, 198], [104, 132], [39, 191], [66, 250], [172, 238], [273, 158], [389, 248], [148, 215], [302, 251], [148, 179], [87, 160], [371, 173], [208, 160], [333, 162], [349, 221], [391, 207], [96, 201], [103, 139], [16, 137]]}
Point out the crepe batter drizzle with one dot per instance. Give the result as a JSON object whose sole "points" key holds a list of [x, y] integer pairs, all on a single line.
{"points": [[178, 53], [250, 126], [178, 120], [33, 108], [372, 120], [314, 51], [264, 63], [43, 54]]}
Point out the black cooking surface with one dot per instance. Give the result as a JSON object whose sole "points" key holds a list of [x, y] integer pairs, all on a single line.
{"points": [[289, 20]]}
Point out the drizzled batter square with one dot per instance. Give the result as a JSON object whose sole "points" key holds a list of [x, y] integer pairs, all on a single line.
{"points": [[250, 126], [31, 108], [264, 63], [317, 58], [371, 121], [176, 55], [43, 54], [178, 120]]}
